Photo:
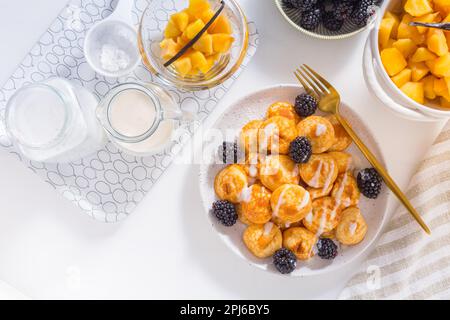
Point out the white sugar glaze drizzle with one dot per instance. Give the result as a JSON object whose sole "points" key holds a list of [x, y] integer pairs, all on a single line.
{"points": [[315, 179], [309, 217], [352, 228], [252, 170], [329, 177], [268, 228], [305, 201], [246, 194], [280, 202], [320, 129]]}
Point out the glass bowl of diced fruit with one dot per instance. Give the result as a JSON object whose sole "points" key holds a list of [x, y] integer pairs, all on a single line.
{"points": [[213, 50], [408, 67]]}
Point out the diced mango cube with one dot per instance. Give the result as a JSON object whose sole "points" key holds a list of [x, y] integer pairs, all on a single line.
{"points": [[181, 20], [198, 6], [431, 64], [183, 66], [221, 42], [440, 88], [221, 25], [198, 60], [418, 8], [406, 46], [437, 42], [414, 90], [442, 66], [419, 70], [393, 61], [210, 61], [204, 44], [402, 77], [428, 87], [422, 54], [169, 48], [384, 35], [391, 15], [430, 17], [171, 30], [405, 31], [206, 15], [194, 28]]}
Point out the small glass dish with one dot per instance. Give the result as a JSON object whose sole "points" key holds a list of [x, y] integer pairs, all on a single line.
{"points": [[152, 26]]}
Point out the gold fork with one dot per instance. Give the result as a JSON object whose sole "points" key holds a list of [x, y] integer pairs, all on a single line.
{"points": [[329, 101]]}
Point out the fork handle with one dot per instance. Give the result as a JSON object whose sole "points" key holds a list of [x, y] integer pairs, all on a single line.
{"points": [[382, 171]]}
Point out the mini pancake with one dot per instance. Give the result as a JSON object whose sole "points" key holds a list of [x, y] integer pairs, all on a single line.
{"points": [[320, 171], [284, 109], [249, 136], [230, 183], [256, 209], [263, 240], [276, 134], [345, 190], [300, 241], [319, 131], [324, 217], [277, 170], [341, 138], [290, 203], [352, 227], [317, 193], [344, 160]]}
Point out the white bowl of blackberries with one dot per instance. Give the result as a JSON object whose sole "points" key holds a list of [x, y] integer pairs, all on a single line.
{"points": [[329, 19]]}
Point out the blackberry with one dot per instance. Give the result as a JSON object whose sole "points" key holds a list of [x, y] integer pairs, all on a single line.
{"points": [[311, 19], [303, 5], [305, 105], [326, 249], [300, 150], [229, 152], [343, 9], [369, 183], [362, 12], [285, 260], [331, 22], [225, 212]]}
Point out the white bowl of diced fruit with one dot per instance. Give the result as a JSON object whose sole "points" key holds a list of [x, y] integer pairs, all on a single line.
{"points": [[408, 67]]}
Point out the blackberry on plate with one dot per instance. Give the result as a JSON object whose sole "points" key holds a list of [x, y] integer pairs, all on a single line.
{"points": [[326, 249], [225, 212], [362, 12], [332, 23], [303, 5], [300, 150], [305, 105], [229, 152], [310, 20], [369, 183], [284, 260]]}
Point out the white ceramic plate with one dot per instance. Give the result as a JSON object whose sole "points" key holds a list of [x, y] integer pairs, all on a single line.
{"points": [[253, 107]]}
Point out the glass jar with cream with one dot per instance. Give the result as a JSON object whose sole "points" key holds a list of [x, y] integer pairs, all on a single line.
{"points": [[54, 121], [140, 119]]}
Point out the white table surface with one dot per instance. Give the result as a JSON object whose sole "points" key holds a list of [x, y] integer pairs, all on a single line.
{"points": [[165, 249]]}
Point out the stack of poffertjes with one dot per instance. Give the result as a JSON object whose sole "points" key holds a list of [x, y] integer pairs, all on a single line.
{"points": [[290, 205]]}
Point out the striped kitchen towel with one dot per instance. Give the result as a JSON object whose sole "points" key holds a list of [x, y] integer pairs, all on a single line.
{"points": [[407, 263]]}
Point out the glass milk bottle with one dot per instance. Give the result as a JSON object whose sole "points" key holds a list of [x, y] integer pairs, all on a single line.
{"points": [[140, 119], [54, 121]]}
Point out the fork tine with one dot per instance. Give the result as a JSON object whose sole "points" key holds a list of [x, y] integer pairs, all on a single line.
{"points": [[317, 91], [319, 77], [316, 81], [305, 86]]}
